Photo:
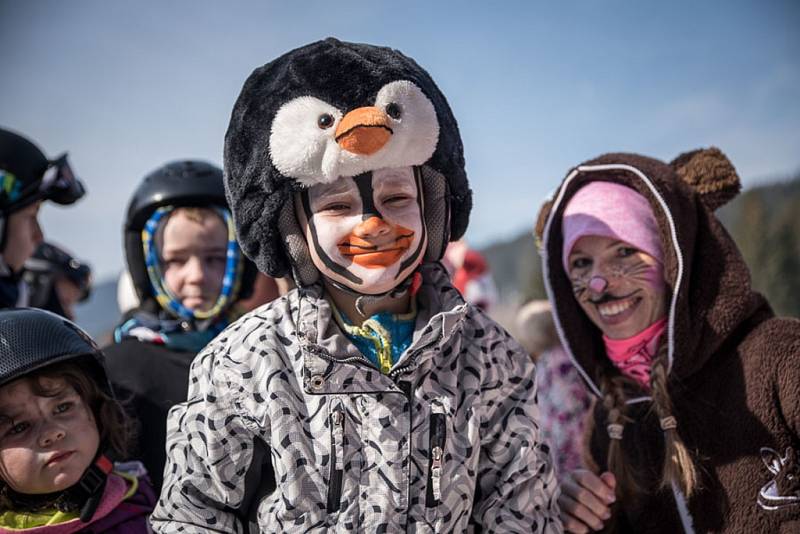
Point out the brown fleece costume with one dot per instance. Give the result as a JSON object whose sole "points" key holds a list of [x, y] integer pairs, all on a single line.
{"points": [[734, 378]]}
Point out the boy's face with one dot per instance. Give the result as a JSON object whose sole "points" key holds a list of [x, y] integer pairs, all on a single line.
{"points": [[24, 235], [194, 255], [366, 232], [46, 443]]}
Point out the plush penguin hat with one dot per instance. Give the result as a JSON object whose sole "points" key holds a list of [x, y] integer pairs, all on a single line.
{"points": [[333, 109]]}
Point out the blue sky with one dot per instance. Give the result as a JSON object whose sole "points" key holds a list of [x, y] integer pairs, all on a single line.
{"points": [[537, 87]]}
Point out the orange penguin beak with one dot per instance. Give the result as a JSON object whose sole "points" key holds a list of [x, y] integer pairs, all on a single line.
{"points": [[363, 131]]}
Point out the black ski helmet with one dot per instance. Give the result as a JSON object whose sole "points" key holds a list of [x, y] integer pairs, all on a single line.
{"points": [[31, 339], [182, 183], [26, 176], [49, 263]]}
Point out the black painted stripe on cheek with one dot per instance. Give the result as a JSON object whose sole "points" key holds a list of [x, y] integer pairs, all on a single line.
{"points": [[324, 258]]}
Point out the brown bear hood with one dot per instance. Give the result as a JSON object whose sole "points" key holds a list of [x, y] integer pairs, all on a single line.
{"points": [[705, 273]]}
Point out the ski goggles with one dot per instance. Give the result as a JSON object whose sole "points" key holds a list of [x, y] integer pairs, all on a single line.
{"points": [[60, 184], [79, 274]]}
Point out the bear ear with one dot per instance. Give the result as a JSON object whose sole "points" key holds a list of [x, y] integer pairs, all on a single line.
{"points": [[709, 172], [541, 220]]}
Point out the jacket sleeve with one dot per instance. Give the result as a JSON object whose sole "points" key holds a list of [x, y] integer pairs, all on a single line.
{"points": [[517, 489], [211, 446]]}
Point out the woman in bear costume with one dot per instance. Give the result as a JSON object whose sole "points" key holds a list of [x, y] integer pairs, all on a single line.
{"points": [[697, 411]]}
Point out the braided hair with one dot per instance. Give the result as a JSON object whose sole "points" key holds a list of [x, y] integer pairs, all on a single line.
{"points": [[678, 468]]}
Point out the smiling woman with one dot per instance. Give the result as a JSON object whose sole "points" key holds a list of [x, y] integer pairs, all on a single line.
{"points": [[692, 373], [614, 260]]}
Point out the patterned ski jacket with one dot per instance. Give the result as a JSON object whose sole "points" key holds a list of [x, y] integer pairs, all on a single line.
{"points": [[289, 428]]}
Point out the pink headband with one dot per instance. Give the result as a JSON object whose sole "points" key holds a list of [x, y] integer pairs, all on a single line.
{"points": [[610, 210]]}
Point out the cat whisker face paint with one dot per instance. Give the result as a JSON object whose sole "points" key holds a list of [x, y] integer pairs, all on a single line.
{"points": [[366, 232], [633, 293]]}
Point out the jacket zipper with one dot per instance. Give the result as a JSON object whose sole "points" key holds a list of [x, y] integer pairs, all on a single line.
{"points": [[438, 434], [337, 461], [412, 360]]}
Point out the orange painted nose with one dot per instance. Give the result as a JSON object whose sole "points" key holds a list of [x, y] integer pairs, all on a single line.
{"points": [[363, 131], [371, 228]]}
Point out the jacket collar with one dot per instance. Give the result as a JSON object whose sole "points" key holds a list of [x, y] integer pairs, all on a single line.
{"points": [[332, 363]]}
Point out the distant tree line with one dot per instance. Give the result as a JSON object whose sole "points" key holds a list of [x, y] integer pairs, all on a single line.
{"points": [[765, 222]]}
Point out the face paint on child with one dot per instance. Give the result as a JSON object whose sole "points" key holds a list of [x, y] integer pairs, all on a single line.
{"points": [[366, 232], [46, 442]]}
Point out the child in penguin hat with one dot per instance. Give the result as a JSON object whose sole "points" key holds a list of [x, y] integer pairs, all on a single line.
{"points": [[371, 397]]}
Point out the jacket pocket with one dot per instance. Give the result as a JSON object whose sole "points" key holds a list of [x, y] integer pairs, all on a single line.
{"points": [[436, 454], [337, 459]]}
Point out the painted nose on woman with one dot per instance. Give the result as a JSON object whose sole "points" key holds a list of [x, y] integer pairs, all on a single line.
{"points": [[598, 284]]}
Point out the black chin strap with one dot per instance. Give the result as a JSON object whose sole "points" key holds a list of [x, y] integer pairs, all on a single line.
{"points": [[91, 486], [411, 283], [85, 495]]}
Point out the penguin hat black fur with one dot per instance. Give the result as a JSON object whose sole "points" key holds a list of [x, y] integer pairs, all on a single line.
{"points": [[332, 109]]}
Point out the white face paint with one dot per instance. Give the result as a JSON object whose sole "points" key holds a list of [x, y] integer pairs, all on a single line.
{"points": [[367, 232]]}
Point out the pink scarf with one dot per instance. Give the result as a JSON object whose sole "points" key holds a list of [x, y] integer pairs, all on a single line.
{"points": [[634, 356], [113, 495]]}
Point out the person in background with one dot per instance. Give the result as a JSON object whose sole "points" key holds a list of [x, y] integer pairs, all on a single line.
{"points": [[60, 429], [27, 178], [56, 280], [127, 299], [564, 401], [188, 274], [471, 275], [265, 290], [696, 424]]}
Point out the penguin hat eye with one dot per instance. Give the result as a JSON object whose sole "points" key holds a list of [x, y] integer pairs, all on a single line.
{"points": [[302, 132], [325, 121], [394, 110], [413, 120]]}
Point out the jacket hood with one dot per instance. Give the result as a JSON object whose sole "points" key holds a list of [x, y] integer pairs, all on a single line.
{"points": [[708, 281]]}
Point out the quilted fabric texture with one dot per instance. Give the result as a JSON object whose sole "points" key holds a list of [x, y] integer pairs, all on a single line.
{"points": [[353, 449]]}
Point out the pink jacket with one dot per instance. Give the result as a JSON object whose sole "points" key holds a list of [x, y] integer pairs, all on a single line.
{"points": [[116, 514]]}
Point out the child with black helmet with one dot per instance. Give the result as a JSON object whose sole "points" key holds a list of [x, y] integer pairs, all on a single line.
{"points": [[27, 178], [188, 273], [372, 398], [59, 423]]}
